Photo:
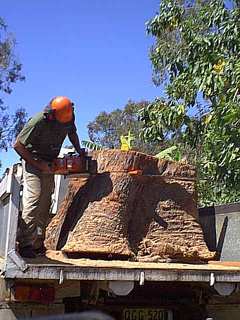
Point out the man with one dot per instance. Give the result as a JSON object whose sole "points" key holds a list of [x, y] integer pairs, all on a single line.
{"points": [[38, 144]]}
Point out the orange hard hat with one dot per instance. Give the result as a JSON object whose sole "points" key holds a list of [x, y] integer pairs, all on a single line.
{"points": [[63, 108]]}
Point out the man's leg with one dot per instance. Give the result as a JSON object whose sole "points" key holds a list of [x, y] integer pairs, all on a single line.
{"points": [[31, 201], [43, 217]]}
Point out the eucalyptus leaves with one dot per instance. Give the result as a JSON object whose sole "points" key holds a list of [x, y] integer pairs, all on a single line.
{"points": [[196, 58]]}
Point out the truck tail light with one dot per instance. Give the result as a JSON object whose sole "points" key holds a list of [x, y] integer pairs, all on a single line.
{"points": [[42, 294]]}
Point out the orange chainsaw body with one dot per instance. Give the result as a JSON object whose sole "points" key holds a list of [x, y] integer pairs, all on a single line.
{"points": [[72, 164]]}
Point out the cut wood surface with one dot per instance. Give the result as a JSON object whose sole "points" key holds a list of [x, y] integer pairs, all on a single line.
{"points": [[149, 216], [226, 263]]}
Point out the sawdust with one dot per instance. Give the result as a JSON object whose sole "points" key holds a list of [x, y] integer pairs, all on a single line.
{"points": [[60, 257]]}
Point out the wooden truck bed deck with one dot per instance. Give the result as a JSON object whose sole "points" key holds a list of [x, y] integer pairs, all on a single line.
{"points": [[57, 266]]}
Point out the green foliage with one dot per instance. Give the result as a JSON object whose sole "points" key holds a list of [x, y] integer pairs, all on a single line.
{"points": [[107, 128], [168, 153], [10, 72], [91, 145], [196, 57], [10, 126], [162, 120], [10, 68]]}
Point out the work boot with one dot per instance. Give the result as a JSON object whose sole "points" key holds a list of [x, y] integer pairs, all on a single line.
{"points": [[27, 252]]}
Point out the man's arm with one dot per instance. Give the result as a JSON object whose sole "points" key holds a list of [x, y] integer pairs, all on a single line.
{"points": [[28, 157], [73, 137], [29, 131]]}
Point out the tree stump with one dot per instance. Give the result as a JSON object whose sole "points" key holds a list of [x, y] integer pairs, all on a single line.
{"points": [[136, 207]]}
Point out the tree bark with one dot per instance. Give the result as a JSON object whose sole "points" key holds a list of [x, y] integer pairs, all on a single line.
{"points": [[136, 207]]}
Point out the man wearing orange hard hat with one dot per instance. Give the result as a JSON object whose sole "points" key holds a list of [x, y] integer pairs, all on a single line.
{"points": [[38, 144]]}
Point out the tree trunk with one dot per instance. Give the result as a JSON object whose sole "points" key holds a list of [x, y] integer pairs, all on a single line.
{"points": [[136, 207]]}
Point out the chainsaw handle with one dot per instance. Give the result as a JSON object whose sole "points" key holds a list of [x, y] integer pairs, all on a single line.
{"points": [[75, 153]]}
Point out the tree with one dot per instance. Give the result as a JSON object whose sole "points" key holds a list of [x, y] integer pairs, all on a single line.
{"points": [[107, 128], [10, 72], [196, 57]]}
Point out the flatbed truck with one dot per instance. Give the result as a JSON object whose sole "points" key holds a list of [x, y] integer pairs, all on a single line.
{"points": [[56, 284]]}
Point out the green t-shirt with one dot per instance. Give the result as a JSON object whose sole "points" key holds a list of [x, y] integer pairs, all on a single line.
{"points": [[44, 138]]}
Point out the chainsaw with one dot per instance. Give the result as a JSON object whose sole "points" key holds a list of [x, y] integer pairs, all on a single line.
{"points": [[74, 164]]}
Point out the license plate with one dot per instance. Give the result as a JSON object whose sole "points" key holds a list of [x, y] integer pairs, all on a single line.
{"points": [[146, 314]]}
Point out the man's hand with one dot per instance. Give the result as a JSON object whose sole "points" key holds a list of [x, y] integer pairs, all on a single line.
{"points": [[44, 166], [75, 142], [82, 152]]}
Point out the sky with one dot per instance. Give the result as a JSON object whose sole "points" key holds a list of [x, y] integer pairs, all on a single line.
{"points": [[95, 52]]}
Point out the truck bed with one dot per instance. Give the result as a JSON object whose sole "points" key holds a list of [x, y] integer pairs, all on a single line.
{"points": [[55, 265]]}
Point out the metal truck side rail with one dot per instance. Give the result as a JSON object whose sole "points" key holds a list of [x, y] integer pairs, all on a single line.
{"points": [[10, 187]]}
